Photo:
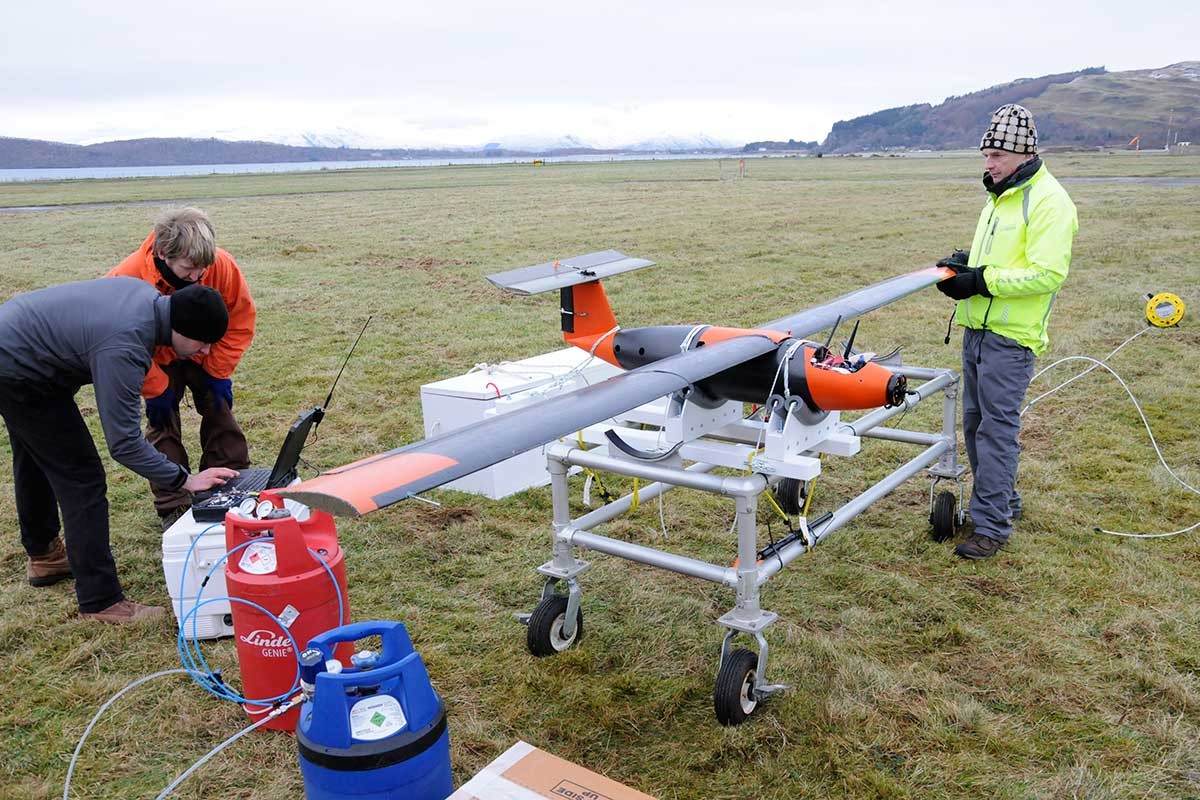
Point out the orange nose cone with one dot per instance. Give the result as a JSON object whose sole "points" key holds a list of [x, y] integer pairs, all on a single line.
{"points": [[871, 387]]}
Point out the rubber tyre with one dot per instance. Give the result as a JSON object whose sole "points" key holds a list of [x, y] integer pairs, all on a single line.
{"points": [[788, 493], [944, 518], [733, 698], [544, 637]]}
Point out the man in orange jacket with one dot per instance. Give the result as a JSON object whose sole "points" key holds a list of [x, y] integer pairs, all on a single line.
{"points": [[182, 251]]}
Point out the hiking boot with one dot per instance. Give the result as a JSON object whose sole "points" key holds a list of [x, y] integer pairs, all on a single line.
{"points": [[169, 518], [124, 611], [978, 547], [48, 569]]}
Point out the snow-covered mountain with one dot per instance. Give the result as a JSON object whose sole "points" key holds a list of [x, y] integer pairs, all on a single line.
{"points": [[673, 144], [533, 142], [332, 137], [528, 142]]}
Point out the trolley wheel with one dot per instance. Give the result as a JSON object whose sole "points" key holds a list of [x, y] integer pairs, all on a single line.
{"points": [[788, 493], [733, 698], [545, 635], [944, 517]]}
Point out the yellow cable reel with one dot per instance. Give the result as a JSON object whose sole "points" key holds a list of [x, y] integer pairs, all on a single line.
{"points": [[1164, 310]]}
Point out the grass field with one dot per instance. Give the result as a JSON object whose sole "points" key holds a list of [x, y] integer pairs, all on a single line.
{"points": [[1064, 668]]}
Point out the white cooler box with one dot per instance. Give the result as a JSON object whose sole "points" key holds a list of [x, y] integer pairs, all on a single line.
{"points": [[454, 402], [184, 578]]}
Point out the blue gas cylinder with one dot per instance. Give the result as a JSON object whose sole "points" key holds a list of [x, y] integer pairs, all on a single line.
{"points": [[375, 730]]}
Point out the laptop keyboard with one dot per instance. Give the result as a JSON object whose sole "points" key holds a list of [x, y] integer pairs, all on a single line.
{"points": [[253, 482]]}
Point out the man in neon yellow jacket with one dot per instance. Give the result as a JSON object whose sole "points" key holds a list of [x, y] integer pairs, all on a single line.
{"points": [[1005, 287]]}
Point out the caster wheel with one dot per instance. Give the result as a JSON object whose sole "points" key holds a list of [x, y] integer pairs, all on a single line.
{"points": [[943, 518], [545, 635], [733, 698], [789, 493]]}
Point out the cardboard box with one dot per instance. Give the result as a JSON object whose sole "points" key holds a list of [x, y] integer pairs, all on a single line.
{"points": [[525, 773]]}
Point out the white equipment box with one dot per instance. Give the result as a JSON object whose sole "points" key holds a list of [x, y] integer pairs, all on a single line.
{"points": [[497, 389], [184, 576]]}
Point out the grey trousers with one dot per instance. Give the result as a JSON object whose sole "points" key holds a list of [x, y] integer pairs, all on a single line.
{"points": [[996, 375]]}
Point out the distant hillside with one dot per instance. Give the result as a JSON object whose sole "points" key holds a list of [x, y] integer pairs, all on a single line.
{"points": [[774, 147], [1092, 107], [1088, 108], [34, 154]]}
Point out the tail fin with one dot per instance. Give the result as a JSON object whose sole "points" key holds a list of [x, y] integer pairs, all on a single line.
{"points": [[587, 318], [588, 321]]}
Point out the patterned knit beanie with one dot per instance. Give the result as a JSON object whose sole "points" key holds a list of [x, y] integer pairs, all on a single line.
{"points": [[1012, 129]]}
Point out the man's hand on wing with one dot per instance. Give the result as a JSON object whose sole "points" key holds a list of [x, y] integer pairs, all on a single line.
{"points": [[967, 283], [956, 261]]}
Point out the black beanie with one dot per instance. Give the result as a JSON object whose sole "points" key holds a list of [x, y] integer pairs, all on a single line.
{"points": [[199, 313]]}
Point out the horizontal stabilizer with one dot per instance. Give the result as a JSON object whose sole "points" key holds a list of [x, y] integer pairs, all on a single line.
{"points": [[566, 272]]}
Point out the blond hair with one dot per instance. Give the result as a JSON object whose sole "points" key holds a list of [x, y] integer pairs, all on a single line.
{"points": [[185, 233]]}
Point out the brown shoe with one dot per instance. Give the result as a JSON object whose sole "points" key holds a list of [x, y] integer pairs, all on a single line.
{"points": [[48, 569], [124, 611], [978, 547]]}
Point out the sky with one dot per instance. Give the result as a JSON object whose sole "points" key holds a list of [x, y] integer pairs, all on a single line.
{"points": [[396, 73]]}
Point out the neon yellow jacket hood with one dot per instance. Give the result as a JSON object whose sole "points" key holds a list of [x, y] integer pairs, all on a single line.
{"points": [[1024, 239]]}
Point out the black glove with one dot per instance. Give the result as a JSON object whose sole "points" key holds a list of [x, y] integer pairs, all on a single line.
{"points": [[967, 283], [956, 261]]}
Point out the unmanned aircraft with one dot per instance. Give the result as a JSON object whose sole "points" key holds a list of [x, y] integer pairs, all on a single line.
{"points": [[702, 364]]}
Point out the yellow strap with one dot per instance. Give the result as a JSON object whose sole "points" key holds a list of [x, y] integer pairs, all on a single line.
{"points": [[808, 498], [595, 476], [775, 505], [634, 505], [770, 495]]}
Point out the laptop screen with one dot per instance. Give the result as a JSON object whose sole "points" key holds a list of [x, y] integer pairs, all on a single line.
{"points": [[284, 471]]}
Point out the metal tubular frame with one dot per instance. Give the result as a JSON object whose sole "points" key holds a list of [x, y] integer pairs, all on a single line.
{"points": [[749, 575]]}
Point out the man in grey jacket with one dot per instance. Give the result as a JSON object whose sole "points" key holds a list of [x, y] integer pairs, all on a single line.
{"points": [[52, 342]]}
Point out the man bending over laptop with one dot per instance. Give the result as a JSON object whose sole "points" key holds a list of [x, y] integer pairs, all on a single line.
{"points": [[181, 251], [52, 342]]}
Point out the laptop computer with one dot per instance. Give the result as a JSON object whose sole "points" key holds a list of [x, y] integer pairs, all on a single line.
{"points": [[213, 505]]}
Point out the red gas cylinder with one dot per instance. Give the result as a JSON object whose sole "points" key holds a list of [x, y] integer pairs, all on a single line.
{"points": [[276, 563]]}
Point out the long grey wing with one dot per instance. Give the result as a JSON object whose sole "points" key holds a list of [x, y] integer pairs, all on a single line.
{"points": [[854, 304], [387, 478]]}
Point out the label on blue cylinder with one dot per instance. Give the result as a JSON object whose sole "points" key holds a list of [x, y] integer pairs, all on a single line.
{"points": [[376, 717]]}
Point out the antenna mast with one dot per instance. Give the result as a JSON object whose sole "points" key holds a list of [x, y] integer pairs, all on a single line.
{"points": [[329, 399]]}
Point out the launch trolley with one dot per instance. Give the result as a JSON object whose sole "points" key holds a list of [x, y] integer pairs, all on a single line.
{"points": [[693, 383], [782, 453]]}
